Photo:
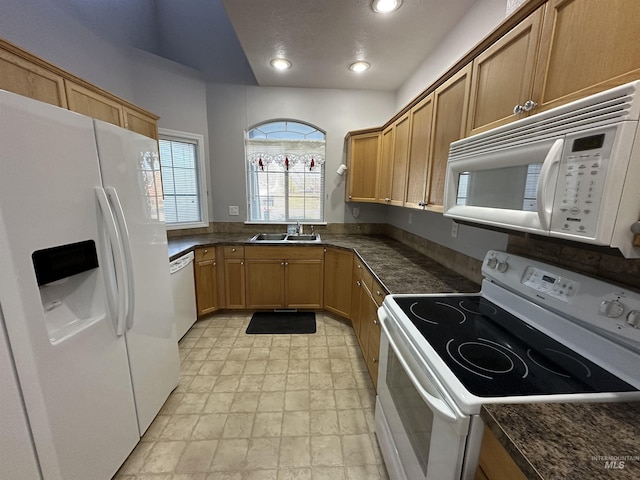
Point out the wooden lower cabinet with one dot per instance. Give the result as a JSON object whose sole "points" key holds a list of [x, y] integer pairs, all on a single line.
{"points": [[284, 277], [234, 277], [366, 297], [338, 266], [206, 280], [495, 462]]}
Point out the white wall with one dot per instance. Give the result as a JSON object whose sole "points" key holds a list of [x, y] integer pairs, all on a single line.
{"points": [[481, 19], [233, 108], [174, 92], [43, 28]]}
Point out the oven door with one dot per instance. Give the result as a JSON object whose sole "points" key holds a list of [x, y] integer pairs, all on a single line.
{"points": [[421, 433]]}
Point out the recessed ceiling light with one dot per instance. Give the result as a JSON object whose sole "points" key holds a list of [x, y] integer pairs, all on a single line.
{"points": [[359, 67], [280, 64], [385, 6]]}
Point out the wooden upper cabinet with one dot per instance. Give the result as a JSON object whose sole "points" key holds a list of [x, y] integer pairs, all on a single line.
{"points": [[400, 159], [141, 123], [450, 104], [19, 75], [93, 104], [421, 120], [385, 169], [503, 76], [586, 46], [362, 156]]}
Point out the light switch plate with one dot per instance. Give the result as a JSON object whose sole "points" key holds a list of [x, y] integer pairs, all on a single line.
{"points": [[234, 210]]}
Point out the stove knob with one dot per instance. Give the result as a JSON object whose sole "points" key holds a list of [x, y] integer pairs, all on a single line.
{"points": [[502, 267], [611, 308], [492, 262], [633, 318]]}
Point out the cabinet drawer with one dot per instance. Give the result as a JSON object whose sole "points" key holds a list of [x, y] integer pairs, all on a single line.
{"points": [[208, 253], [362, 273], [378, 292], [284, 252], [233, 252]]}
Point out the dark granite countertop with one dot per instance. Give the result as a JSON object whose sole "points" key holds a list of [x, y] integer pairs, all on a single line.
{"points": [[547, 441], [569, 441], [399, 268]]}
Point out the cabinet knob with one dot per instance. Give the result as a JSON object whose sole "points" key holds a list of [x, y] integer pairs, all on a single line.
{"points": [[374, 360], [286, 263], [241, 263], [529, 105], [376, 321], [358, 282], [518, 109], [350, 197], [233, 249], [387, 199], [282, 263], [379, 293], [359, 266], [205, 250], [214, 264], [422, 204]]}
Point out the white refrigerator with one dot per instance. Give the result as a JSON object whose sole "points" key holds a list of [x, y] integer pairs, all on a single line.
{"points": [[85, 292]]}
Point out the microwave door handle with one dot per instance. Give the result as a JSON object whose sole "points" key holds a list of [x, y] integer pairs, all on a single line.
{"points": [[545, 193]]}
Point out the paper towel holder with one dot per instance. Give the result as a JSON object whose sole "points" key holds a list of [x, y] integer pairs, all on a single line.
{"points": [[341, 169]]}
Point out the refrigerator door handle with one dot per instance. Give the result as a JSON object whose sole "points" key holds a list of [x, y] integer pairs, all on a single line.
{"points": [[126, 244], [118, 260]]}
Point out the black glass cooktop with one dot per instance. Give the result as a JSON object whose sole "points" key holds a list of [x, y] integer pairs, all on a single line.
{"points": [[495, 354]]}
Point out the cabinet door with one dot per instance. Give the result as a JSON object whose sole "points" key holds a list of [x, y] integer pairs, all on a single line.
{"points": [[363, 167], [450, 103], [206, 279], [338, 265], [400, 159], [495, 462], [421, 116], [386, 165], [372, 355], [93, 104], [503, 76], [140, 123], [587, 46], [20, 76], [234, 283], [265, 283], [303, 280]]}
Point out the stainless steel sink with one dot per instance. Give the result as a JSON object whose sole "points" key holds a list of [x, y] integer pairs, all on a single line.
{"points": [[314, 237], [284, 238], [269, 237]]}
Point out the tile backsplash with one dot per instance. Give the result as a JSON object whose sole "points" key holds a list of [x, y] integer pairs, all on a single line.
{"points": [[603, 263]]}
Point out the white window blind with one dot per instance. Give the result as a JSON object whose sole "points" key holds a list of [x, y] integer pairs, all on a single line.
{"points": [[181, 167]]}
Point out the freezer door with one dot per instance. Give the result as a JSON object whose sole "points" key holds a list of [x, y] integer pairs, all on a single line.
{"points": [[130, 169], [17, 453], [72, 367]]}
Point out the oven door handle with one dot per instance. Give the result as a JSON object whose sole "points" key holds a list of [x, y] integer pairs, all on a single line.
{"points": [[436, 404]]}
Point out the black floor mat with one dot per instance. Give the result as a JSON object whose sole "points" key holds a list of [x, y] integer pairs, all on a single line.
{"points": [[275, 323]]}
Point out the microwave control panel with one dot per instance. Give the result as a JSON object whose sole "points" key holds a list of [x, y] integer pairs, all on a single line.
{"points": [[581, 179]]}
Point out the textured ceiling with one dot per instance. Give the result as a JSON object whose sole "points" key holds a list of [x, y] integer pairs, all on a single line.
{"points": [[232, 41]]}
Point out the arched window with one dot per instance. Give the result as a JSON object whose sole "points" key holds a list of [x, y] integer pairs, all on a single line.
{"points": [[285, 172]]}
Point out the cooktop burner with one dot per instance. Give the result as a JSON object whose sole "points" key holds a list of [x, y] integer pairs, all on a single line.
{"points": [[495, 354]]}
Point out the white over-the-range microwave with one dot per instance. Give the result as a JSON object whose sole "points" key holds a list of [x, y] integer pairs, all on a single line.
{"points": [[572, 172]]}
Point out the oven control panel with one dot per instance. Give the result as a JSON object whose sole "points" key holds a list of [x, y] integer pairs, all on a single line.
{"points": [[550, 284], [595, 304]]}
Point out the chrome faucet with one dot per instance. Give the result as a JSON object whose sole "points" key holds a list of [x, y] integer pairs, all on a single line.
{"points": [[298, 228]]}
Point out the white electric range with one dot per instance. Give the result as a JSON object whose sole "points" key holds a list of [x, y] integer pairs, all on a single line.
{"points": [[535, 333]]}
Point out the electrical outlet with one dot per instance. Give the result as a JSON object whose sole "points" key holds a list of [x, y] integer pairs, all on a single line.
{"points": [[234, 210], [454, 230], [410, 218], [356, 212]]}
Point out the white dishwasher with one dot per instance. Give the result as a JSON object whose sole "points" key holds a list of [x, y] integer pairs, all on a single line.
{"points": [[184, 293]]}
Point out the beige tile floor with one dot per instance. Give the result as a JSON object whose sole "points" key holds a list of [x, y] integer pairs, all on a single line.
{"points": [[262, 407]]}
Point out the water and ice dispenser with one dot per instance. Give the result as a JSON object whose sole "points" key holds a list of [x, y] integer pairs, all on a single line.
{"points": [[70, 284]]}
